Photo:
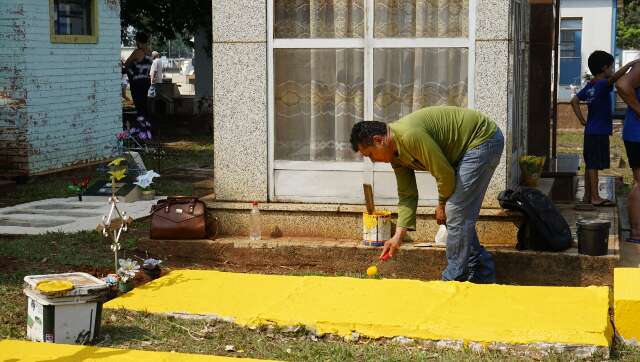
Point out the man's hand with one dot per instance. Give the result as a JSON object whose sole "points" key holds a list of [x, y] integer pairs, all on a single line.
{"points": [[393, 244], [441, 215]]}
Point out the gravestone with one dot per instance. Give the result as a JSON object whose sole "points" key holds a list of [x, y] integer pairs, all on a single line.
{"points": [[125, 189]]}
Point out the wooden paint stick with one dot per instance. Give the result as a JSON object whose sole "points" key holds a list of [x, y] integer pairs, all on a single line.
{"points": [[368, 198]]}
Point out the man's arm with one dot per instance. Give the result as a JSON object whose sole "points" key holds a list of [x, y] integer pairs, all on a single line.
{"points": [[154, 70], [421, 146], [408, 197], [575, 104], [626, 87], [622, 71]]}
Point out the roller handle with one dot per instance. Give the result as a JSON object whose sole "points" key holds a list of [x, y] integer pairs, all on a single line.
{"points": [[385, 256]]}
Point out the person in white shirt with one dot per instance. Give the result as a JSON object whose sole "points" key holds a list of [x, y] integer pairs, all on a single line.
{"points": [[155, 73]]}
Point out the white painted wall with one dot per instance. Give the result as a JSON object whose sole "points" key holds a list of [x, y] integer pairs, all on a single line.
{"points": [[629, 55], [596, 30]]}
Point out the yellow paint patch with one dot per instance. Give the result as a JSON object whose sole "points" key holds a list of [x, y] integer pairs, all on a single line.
{"points": [[23, 351], [626, 302], [54, 286], [428, 310]]}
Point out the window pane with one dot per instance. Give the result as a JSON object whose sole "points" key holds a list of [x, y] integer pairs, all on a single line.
{"points": [[319, 96], [409, 79], [568, 43], [318, 19], [72, 17], [421, 18], [571, 23]]}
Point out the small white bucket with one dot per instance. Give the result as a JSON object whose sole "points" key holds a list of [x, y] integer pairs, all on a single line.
{"points": [[376, 228], [71, 318]]}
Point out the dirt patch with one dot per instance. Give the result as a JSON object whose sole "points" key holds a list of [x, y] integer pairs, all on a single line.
{"points": [[8, 264], [512, 267]]}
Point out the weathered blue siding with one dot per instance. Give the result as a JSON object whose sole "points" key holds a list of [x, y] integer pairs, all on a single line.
{"points": [[13, 139], [72, 91]]}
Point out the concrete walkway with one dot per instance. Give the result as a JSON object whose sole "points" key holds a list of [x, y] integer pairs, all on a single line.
{"points": [[24, 351], [63, 215], [441, 311]]}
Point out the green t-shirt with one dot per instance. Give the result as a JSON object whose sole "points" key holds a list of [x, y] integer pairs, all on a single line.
{"points": [[433, 139]]}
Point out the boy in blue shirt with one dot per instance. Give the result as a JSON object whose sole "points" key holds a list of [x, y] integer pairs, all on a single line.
{"points": [[598, 126]]}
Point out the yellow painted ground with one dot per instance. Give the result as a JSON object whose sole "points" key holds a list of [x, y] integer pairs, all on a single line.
{"points": [[626, 297], [385, 307], [23, 351]]}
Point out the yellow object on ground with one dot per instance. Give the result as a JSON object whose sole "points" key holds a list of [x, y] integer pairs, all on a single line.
{"points": [[23, 351], [428, 310], [626, 303], [372, 270], [54, 286]]}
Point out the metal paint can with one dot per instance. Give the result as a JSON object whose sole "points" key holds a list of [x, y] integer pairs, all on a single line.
{"points": [[376, 227]]}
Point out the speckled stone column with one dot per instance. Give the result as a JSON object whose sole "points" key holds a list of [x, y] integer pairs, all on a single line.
{"points": [[240, 100], [494, 82]]}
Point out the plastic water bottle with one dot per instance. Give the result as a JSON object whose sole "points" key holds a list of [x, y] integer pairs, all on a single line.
{"points": [[255, 227]]}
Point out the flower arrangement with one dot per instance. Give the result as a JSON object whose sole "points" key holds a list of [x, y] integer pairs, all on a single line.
{"points": [[151, 263], [117, 171], [531, 167], [151, 267], [128, 269], [145, 180], [78, 187], [121, 136], [126, 272]]}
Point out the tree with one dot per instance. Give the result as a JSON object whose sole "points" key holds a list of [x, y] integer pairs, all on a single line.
{"points": [[165, 19], [628, 36]]}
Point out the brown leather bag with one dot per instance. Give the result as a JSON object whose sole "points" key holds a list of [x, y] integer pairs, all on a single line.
{"points": [[178, 218]]}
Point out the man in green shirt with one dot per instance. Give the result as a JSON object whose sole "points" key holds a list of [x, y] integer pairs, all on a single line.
{"points": [[461, 149]]}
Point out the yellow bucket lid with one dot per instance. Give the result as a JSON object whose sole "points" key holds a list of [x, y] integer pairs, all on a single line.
{"points": [[54, 286]]}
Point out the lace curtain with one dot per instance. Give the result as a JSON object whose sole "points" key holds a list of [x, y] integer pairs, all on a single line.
{"points": [[319, 93], [319, 96]]}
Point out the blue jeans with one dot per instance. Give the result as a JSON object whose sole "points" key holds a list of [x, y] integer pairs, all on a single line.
{"points": [[467, 260]]}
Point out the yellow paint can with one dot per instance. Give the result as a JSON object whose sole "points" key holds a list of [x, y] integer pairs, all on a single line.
{"points": [[376, 227]]}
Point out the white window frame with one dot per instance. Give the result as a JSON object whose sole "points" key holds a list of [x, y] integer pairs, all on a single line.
{"points": [[368, 43]]}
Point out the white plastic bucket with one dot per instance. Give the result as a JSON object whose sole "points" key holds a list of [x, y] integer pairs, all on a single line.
{"points": [[71, 318]]}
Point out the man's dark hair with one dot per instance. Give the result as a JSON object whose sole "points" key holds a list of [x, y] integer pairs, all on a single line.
{"points": [[362, 133], [142, 37], [598, 60]]}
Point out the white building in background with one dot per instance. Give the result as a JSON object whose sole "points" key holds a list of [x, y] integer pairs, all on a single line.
{"points": [[290, 81], [585, 26]]}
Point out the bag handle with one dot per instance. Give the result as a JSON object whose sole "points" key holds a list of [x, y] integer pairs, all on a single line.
{"points": [[217, 228], [165, 203]]}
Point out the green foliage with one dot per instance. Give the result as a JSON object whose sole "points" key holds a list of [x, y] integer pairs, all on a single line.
{"points": [[166, 19], [628, 36]]}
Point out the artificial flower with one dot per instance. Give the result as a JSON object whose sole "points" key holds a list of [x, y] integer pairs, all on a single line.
{"points": [[84, 183], [146, 180], [151, 263], [128, 269], [117, 161], [118, 174]]}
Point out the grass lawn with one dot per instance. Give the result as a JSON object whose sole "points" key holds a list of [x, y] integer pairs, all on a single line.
{"points": [[89, 252]]}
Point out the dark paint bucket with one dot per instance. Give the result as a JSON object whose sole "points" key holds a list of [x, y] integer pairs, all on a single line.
{"points": [[593, 237]]}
